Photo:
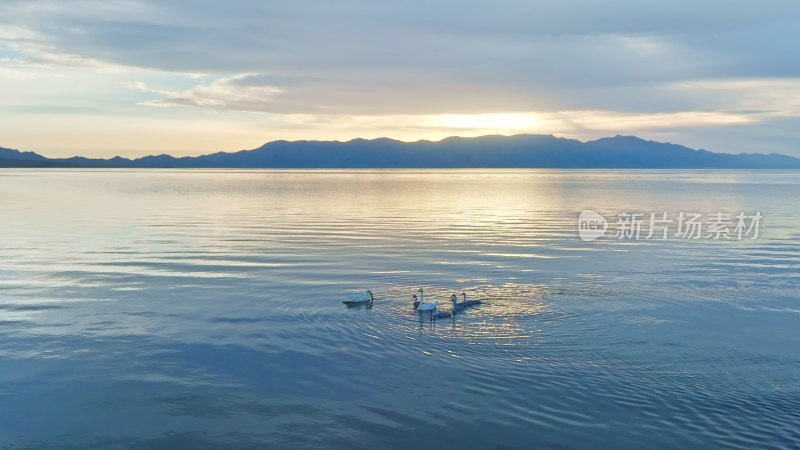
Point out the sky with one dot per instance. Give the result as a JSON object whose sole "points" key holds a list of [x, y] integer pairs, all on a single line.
{"points": [[101, 78]]}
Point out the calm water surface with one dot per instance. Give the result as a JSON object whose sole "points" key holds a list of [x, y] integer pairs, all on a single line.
{"points": [[169, 309]]}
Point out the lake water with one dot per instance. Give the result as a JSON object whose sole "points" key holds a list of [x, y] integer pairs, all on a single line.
{"points": [[202, 308]]}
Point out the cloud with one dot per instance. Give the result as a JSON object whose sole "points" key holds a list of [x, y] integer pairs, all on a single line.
{"points": [[462, 41], [13, 74], [231, 93], [773, 96], [34, 51]]}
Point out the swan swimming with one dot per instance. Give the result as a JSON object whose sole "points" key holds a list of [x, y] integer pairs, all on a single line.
{"points": [[443, 314], [468, 303], [416, 301], [359, 298], [457, 306], [423, 306]]}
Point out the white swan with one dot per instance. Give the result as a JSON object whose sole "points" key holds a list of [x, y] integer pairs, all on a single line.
{"points": [[425, 306], [359, 298]]}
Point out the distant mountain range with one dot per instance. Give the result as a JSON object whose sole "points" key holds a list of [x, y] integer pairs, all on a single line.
{"points": [[520, 151]]}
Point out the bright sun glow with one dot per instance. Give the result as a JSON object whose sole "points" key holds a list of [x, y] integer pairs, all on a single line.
{"points": [[505, 121]]}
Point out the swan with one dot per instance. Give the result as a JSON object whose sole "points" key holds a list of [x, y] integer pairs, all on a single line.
{"points": [[457, 306], [442, 314], [359, 298], [468, 303], [423, 306], [416, 301]]}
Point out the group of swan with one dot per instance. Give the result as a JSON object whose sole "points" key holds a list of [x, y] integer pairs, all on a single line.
{"points": [[465, 304], [420, 304]]}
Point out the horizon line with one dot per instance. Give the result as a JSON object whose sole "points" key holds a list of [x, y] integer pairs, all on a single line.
{"points": [[385, 138]]}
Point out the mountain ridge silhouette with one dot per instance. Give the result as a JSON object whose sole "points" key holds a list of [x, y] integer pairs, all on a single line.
{"points": [[490, 151]]}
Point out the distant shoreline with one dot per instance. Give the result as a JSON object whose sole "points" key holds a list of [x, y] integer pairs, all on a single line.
{"points": [[487, 152]]}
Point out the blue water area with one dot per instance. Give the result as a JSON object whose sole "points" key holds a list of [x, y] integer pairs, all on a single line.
{"points": [[203, 309]]}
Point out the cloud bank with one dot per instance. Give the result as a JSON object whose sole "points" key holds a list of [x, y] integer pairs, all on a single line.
{"points": [[724, 77]]}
